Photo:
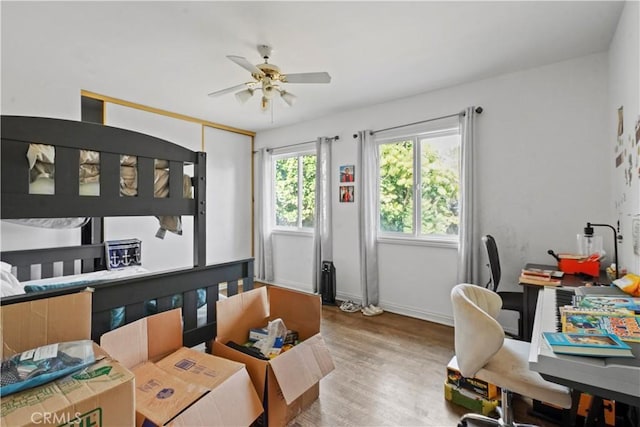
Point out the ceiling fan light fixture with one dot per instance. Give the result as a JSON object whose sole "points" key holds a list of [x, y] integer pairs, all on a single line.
{"points": [[244, 95], [268, 78], [264, 103], [287, 97]]}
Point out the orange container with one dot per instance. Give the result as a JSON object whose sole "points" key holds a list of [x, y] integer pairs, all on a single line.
{"points": [[574, 266]]}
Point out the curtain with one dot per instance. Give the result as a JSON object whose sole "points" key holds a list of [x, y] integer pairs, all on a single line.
{"points": [[468, 247], [368, 225], [322, 237], [264, 250]]}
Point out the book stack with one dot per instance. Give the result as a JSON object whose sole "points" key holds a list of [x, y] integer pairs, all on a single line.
{"points": [[598, 326], [615, 315], [471, 393], [534, 276]]}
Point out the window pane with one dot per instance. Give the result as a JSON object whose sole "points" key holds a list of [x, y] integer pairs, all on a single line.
{"points": [[396, 187], [440, 181], [308, 190], [286, 191]]}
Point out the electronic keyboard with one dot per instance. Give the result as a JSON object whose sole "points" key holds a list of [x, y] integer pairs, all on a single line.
{"points": [[612, 378]]}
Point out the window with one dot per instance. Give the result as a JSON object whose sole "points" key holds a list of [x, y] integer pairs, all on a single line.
{"points": [[419, 185], [294, 190]]}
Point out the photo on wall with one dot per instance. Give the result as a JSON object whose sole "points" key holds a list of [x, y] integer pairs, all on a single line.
{"points": [[346, 194], [347, 173]]}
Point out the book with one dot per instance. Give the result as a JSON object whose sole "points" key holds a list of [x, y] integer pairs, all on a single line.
{"points": [[571, 256], [594, 345], [616, 321], [538, 272], [629, 303], [537, 280]]}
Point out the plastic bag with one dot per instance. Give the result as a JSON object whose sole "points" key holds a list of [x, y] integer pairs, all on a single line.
{"points": [[40, 365], [629, 283], [272, 344]]}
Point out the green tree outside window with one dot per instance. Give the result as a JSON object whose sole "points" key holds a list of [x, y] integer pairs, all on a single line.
{"points": [[295, 181], [438, 181]]}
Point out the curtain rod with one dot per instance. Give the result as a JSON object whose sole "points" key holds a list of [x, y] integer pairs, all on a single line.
{"points": [[373, 132], [300, 143]]}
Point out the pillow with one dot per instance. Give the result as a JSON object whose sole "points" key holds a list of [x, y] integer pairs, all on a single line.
{"points": [[123, 253]]}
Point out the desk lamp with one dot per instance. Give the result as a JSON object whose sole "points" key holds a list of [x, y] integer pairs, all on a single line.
{"points": [[588, 232]]}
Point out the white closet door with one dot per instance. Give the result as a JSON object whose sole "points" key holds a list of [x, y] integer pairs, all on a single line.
{"points": [[173, 251], [228, 195]]}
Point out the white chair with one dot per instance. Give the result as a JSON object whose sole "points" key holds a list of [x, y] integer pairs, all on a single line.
{"points": [[483, 352]]}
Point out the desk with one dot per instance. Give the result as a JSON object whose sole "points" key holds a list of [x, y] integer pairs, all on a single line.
{"points": [[530, 295], [613, 378]]}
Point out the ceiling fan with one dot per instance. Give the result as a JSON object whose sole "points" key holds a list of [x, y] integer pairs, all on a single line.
{"points": [[268, 78]]}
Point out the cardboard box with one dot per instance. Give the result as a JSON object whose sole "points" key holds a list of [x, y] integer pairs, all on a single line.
{"points": [[180, 386], [289, 382], [100, 395], [481, 388], [469, 399]]}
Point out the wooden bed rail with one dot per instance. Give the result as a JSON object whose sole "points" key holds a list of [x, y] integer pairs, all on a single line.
{"points": [[92, 258], [135, 293]]}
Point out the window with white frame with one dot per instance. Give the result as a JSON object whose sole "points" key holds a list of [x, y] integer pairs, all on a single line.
{"points": [[419, 185], [294, 190]]}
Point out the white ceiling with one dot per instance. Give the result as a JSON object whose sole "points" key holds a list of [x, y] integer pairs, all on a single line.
{"points": [[170, 55]]}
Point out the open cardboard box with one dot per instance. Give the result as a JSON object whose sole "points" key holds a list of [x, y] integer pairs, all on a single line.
{"points": [[99, 395], [179, 386], [289, 382]]}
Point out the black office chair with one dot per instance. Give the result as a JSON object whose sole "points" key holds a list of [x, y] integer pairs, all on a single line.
{"points": [[511, 301]]}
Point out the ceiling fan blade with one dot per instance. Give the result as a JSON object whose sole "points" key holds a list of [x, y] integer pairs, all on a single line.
{"points": [[230, 89], [246, 64], [322, 77]]}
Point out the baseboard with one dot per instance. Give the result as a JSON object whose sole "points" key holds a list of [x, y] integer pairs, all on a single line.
{"points": [[402, 310], [418, 314], [302, 287]]}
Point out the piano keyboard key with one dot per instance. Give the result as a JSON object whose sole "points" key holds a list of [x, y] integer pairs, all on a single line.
{"points": [[563, 296]]}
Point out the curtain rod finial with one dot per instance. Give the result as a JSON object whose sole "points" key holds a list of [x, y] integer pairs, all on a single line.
{"points": [[479, 110], [355, 135]]}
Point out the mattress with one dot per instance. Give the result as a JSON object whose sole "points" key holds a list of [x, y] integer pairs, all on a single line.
{"points": [[11, 286]]}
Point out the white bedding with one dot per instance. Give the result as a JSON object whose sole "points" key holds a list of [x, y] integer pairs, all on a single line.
{"points": [[10, 284]]}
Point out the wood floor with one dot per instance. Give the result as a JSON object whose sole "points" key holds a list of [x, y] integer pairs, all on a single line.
{"points": [[390, 371]]}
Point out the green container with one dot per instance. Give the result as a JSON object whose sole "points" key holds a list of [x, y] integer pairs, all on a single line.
{"points": [[469, 400]]}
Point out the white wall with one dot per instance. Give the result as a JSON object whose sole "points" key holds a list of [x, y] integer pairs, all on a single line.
{"points": [[228, 186], [624, 90], [228, 195], [174, 251], [542, 168]]}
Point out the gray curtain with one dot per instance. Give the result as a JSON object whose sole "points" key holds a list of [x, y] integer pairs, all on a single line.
{"points": [[367, 198], [264, 251], [322, 237], [468, 248]]}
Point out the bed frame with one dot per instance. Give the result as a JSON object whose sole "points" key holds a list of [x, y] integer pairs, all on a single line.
{"points": [[69, 137]]}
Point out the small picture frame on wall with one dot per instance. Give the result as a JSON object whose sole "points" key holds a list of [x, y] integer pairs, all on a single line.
{"points": [[346, 194], [347, 173]]}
